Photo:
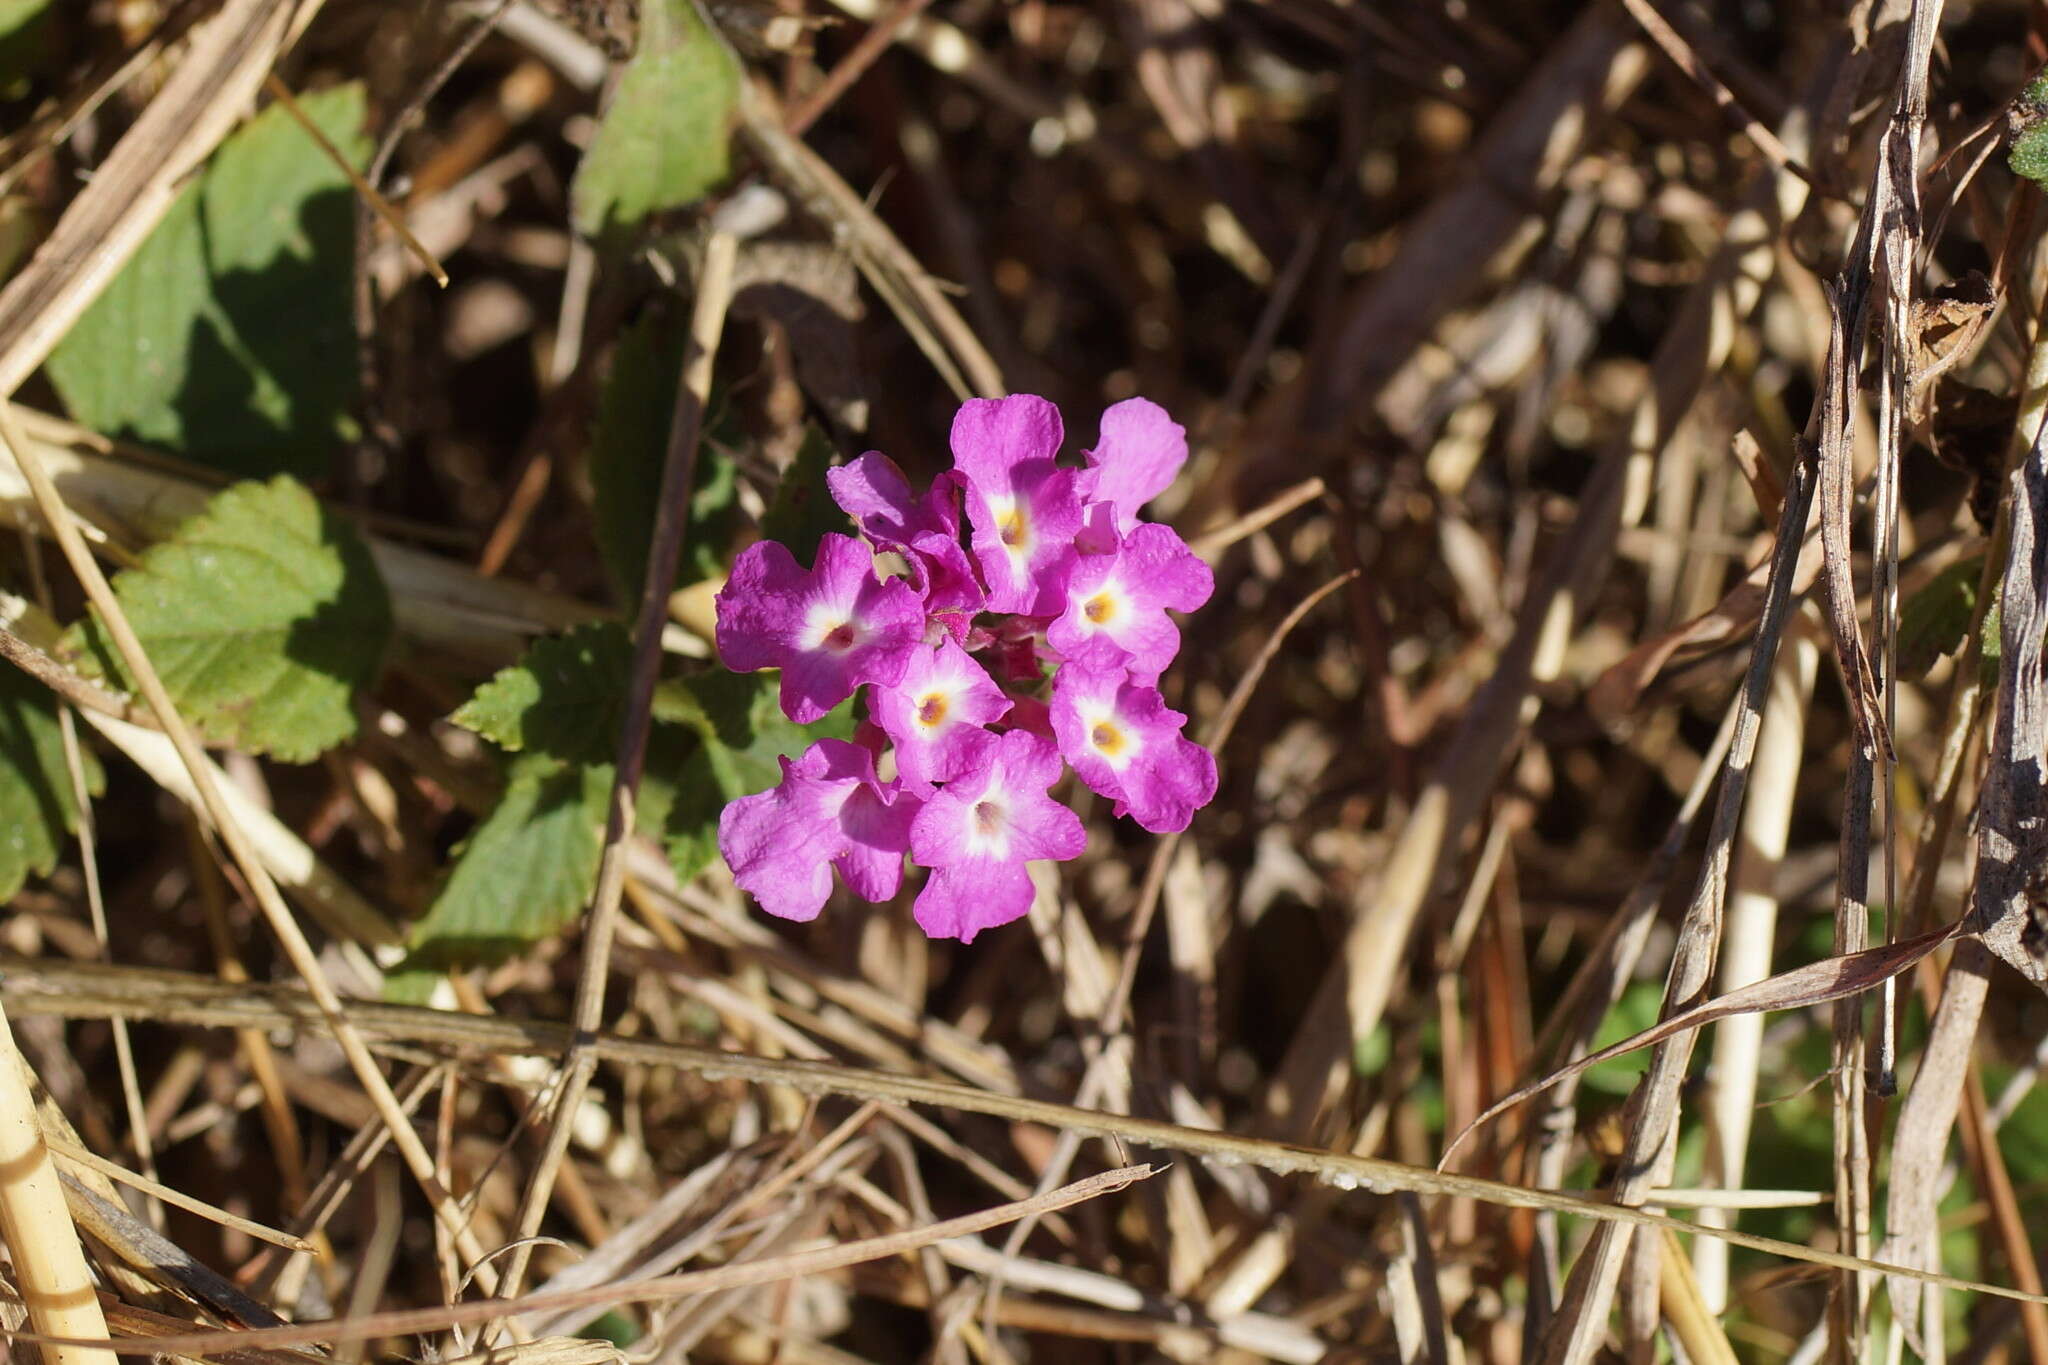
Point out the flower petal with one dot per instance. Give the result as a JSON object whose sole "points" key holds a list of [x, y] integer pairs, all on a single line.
{"points": [[962, 900], [1140, 453], [1159, 563], [876, 823], [780, 843], [1126, 744], [992, 436], [874, 492], [760, 608]]}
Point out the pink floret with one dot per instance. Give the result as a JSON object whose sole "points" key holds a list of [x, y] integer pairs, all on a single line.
{"points": [[936, 715], [829, 630], [1126, 744], [828, 812], [1116, 604], [978, 831], [1025, 510], [925, 531]]}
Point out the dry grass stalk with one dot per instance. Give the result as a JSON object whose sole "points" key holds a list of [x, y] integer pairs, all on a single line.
{"points": [[49, 1265]]}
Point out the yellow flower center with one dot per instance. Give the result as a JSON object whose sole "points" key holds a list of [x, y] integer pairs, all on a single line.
{"points": [[1107, 737], [840, 638], [1099, 608], [1014, 529], [931, 708]]}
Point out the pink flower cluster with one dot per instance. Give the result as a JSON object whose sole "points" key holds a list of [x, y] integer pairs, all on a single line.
{"points": [[1058, 580]]}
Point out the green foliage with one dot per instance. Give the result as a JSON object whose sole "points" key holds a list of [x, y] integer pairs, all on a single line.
{"points": [[532, 864], [627, 451], [1638, 1009], [36, 809], [227, 337], [263, 614], [561, 700], [2027, 120], [25, 43], [1934, 620], [526, 870], [803, 511], [664, 141]]}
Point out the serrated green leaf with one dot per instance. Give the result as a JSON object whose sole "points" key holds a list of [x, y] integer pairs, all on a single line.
{"points": [[563, 699], [1934, 620], [803, 510], [665, 139], [36, 809], [263, 614], [227, 337], [524, 873], [627, 451]]}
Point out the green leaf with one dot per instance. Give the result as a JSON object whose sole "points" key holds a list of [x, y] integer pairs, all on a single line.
{"points": [[227, 338], [803, 510], [36, 809], [2027, 122], [25, 45], [524, 873], [665, 140], [690, 833], [563, 699], [263, 614], [532, 864], [1935, 619], [628, 449]]}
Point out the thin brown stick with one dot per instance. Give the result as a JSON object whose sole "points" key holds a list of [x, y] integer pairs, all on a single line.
{"points": [[853, 65], [379, 205], [1674, 46], [1215, 541], [671, 528], [80, 692]]}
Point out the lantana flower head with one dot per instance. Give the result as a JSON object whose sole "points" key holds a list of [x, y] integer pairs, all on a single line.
{"points": [[987, 668]]}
